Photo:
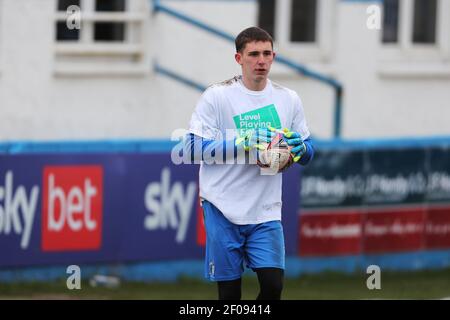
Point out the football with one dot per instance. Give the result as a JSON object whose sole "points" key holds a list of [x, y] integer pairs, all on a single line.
{"points": [[277, 155]]}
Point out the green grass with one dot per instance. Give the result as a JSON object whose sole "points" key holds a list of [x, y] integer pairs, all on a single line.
{"points": [[430, 284]]}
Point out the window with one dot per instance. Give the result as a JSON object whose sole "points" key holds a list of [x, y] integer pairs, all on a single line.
{"points": [[300, 23], [416, 38], [110, 5], [64, 4], [300, 27], [419, 25], [109, 31], [303, 20], [103, 31], [390, 21], [63, 33], [424, 25], [266, 16], [110, 38]]}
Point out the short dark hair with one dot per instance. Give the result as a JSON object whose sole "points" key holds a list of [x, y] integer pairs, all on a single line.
{"points": [[251, 34]]}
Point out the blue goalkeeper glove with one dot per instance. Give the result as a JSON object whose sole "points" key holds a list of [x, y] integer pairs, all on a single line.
{"points": [[255, 139], [293, 139]]}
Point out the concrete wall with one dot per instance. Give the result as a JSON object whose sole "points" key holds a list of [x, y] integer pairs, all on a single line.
{"points": [[385, 95]]}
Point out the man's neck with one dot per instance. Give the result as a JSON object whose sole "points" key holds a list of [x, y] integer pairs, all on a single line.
{"points": [[254, 85]]}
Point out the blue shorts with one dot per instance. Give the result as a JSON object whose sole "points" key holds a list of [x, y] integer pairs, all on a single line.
{"points": [[229, 246]]}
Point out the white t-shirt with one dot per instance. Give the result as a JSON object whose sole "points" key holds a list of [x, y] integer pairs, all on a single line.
{"points": [[240, 191]]}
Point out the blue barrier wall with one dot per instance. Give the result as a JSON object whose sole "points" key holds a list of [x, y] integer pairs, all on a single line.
{"points": [[128, 168], [105, 203]]}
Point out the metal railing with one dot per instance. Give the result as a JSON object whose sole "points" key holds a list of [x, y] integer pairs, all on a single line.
{"points": [[304, 71], [173, 75]]}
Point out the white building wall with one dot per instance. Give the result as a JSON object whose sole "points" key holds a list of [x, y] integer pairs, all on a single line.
{"points": [[398, 104], [380, 100]]}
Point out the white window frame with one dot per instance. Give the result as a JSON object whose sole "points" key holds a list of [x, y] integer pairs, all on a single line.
{"points": [[406, 58], [133, 48], [318, 51]]}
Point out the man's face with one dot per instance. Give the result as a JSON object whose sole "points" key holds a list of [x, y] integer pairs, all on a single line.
{"points": [[256, 60]]}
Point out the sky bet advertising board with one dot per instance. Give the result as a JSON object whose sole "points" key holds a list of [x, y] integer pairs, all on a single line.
{"points": [[81, 208]]}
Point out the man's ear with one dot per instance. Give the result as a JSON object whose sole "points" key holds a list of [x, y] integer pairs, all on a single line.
{"points": [[274, 54], [238, 57]]}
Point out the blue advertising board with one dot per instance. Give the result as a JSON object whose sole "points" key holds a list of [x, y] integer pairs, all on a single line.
{"points": [[66, 208]]}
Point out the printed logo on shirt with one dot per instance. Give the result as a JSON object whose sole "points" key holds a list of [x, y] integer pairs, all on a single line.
{"points": [[258, 118]]}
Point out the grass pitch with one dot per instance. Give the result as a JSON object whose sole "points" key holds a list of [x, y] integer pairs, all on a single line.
{"points": [[428, 284]]}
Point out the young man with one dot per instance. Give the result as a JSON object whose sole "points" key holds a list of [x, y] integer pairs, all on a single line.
{"points": [[242, 207]]}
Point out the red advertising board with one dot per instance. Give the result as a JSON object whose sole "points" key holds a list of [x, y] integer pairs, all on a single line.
{"points": [[380, 230], [72, 208], [437, 229], [393, 229], [326, 233]]}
